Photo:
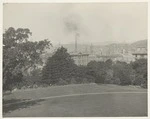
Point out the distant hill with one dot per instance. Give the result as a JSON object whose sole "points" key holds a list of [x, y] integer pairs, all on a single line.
{"points": [[118, 48], [141, 43]]}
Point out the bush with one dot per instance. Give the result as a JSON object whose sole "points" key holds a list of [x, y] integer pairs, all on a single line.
{"points": [[140, 68], [138, 80], [85, 80], [72, 81], [13, 81], [109, 76], [97, 70], [62, 82], [144, 85], [122, 71], [108, 81], [116, 81]]}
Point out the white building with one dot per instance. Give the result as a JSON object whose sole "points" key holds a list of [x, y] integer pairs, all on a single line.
{"points": [[80, 58], [140, 52]]}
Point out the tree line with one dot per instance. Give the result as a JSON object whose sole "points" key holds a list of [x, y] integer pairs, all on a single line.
{"points": [[22, 58]]}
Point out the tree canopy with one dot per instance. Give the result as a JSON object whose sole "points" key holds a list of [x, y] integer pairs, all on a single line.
{"points": [[59, 66], [20, 54], [140, 68]]}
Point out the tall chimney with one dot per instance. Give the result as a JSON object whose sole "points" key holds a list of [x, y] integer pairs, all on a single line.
{"points": [[76, 44]]}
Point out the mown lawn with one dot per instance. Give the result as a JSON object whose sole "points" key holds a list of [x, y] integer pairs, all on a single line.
{"points": [[133, 103]]}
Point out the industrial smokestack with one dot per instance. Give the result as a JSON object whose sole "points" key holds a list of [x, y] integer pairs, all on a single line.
{"points": [[76, 41], [73, 25]]}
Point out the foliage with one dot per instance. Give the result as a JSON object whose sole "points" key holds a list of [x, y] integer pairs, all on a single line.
{"points": [[109, 77], [72, 81], [59, 66], [140, 68], [62, 82], [122, 72], [108, 64], [82, 75], [21, 59], [108, 72], [97, 70], [116, 81], [20, 54]]}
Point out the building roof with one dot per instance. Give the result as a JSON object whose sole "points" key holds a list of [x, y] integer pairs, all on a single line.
{"points": [[139, 53], [110, 56], [79, 54]]}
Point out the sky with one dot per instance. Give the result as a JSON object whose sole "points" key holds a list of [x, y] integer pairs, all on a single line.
{"points": [[96, 23]]}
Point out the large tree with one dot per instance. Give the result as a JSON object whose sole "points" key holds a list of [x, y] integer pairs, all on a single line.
{"points": [[59, 67], [20, 54]]}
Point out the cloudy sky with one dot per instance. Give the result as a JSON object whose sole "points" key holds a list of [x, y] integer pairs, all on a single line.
{"points": [[96, 23]]}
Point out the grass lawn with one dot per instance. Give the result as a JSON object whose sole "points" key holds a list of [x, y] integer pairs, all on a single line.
{"points": [[105, 103]]}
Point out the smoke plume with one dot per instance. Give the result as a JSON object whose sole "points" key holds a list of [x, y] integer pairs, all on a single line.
{"points": [[72, 24]]}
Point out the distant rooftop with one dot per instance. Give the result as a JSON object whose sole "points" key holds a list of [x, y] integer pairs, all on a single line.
{"points": [[139, 53], [78, 54]]}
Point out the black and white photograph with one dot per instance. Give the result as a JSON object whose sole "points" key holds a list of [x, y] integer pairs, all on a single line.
{"points": [[75, 59]]}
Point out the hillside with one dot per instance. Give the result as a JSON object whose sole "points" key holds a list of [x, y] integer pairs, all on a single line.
{"points": [[141, 43]]}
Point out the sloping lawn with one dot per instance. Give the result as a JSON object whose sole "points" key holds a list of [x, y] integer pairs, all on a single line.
{"points": [[106, 101]]}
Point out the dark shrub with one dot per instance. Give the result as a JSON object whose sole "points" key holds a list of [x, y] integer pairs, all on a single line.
{"points": [[100, 77], [122, 71], [116, 81], [109, 76], [61, 82], [140, 68], [73, 81]]}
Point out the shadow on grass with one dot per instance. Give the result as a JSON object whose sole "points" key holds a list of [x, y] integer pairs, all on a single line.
{"points": [[16, 104], [8, 93]]}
